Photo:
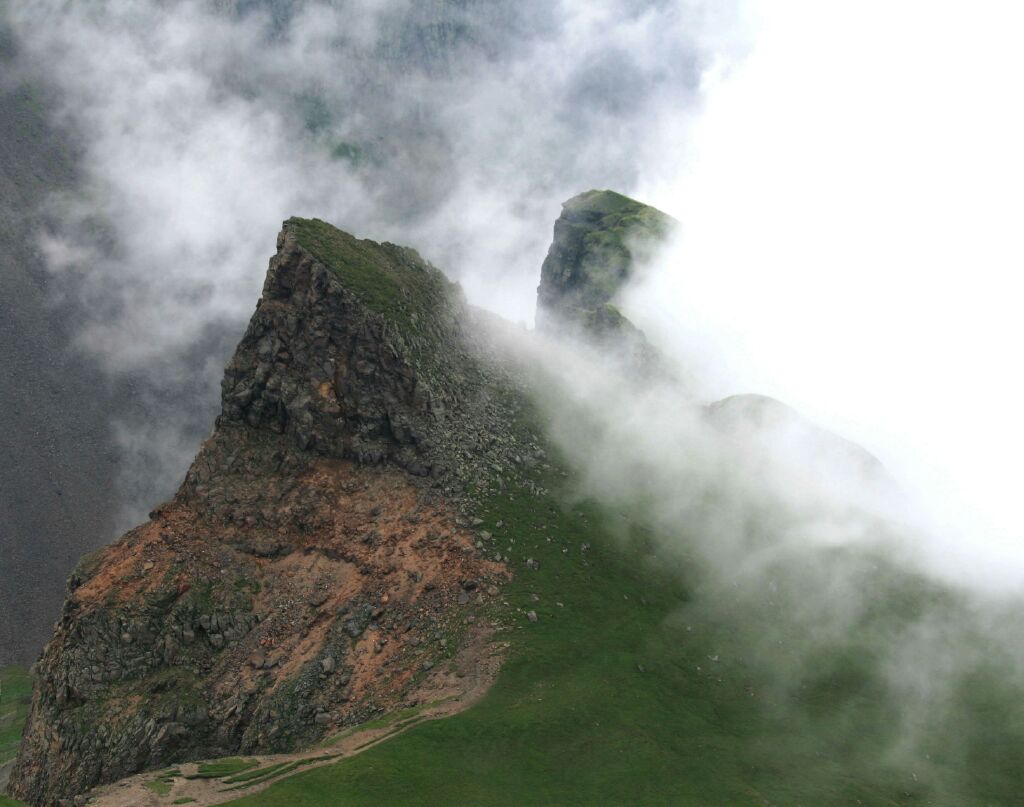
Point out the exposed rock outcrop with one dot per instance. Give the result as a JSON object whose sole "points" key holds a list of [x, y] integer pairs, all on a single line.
{"points": [[310, 572], [356, 350]]}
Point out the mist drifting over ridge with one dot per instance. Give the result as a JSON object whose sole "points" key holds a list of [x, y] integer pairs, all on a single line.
{"points": [[212, 118], [805, 564]]}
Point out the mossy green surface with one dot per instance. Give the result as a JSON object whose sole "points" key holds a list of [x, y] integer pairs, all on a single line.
{"points": [[262, 775], [273, 772], [15, 695], [619, 217], [254, 773], [162, 784]]}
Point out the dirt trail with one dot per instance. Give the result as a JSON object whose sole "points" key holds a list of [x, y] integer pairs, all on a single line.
{"points": [[467, 680]]}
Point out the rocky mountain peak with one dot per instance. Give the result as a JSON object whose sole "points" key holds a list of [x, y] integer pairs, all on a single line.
{"points": [[356, 350], [320, 543], [600, 241]]}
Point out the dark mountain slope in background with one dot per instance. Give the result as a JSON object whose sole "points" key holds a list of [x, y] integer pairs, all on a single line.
{"points": [[57, 475], [64, 489], [751, 417]]}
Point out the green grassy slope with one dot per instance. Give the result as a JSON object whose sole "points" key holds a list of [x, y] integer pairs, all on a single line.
{"points": [[624, 694], [15, 691]]}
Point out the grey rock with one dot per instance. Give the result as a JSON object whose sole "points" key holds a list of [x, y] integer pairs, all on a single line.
{"points": [[318, 598]]}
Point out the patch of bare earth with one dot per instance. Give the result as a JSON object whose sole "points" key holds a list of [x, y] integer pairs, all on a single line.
{"points": [[361, 586], [373, 540]]}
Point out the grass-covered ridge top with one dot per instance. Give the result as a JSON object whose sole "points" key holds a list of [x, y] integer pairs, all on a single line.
{"points": [[619, 214], [393, 281]]}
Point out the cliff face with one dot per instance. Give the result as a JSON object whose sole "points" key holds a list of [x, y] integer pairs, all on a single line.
{"points": [[317, 565], [355, 351]]}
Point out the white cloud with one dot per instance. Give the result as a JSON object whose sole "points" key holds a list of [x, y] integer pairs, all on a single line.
{"points": [[851, 203]]}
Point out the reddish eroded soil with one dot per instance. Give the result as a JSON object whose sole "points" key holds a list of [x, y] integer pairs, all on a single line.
{"points": [[376, 543]]}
